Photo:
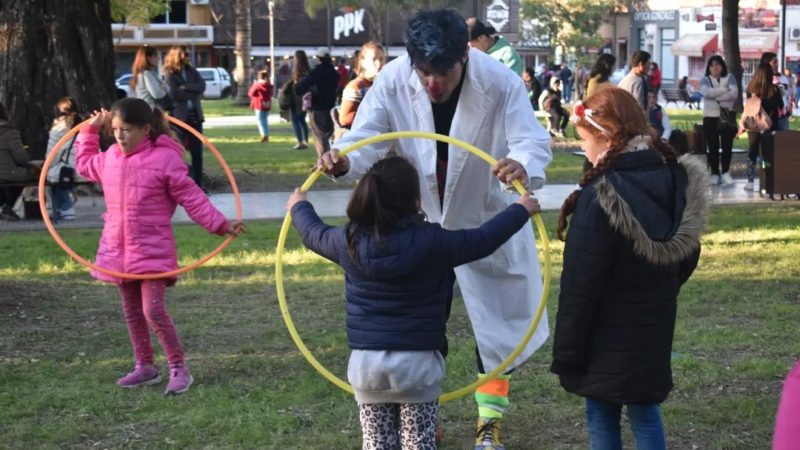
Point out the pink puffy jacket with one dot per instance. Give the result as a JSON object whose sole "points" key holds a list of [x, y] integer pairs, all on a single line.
{"points": [[142, 190]]}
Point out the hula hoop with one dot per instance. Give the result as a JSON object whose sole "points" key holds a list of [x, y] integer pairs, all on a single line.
{"points": [[131, 276], [287, 221]]}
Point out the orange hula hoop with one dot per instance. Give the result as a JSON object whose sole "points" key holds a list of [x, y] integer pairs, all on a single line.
{"points": [[132, 276]]}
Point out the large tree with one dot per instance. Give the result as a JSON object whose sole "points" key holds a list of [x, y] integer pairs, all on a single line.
{"points": [[244, 47], [730, 37], [50, 49]]}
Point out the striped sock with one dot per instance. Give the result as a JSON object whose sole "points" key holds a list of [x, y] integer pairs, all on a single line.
{"points": [[492, 397]]}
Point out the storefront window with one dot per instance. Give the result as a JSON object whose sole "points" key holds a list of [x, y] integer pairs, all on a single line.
{"points": [[175, 14], [667, 59]]}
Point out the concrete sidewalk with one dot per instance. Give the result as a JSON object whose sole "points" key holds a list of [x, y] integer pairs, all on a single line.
{"points": [[236, 121], [272, 205]]}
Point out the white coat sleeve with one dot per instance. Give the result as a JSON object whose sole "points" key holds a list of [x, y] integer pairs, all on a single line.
{"points": [[371, 120], [528, 142], [665, 123]]}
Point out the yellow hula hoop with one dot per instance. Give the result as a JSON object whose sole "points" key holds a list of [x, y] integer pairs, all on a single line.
{"points": [[287, 221]]}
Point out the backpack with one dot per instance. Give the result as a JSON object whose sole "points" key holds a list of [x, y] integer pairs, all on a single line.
{"points": [[285, 96], [754, 118]]}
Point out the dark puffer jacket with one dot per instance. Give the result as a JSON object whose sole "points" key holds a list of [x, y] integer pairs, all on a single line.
{"points": [[13, 156], [633, 241], [398, 293], [322, 82]]}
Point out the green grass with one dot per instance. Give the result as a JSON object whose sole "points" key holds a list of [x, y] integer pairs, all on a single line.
{"points": [[258, 166], [63, 344], [224, 107], [275, 166]]}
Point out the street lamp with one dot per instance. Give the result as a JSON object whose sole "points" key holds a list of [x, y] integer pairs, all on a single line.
{"points": [[271, 6]]}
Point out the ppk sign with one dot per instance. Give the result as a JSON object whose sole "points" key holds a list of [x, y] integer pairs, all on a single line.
{"points": [[498, 15], [348, 23]]}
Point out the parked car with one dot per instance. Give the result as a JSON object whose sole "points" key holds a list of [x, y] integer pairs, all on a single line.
{"points": [[124, 83], [218, 82]]}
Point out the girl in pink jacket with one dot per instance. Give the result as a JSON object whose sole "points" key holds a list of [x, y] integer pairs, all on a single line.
{"points": [[144, 178]]}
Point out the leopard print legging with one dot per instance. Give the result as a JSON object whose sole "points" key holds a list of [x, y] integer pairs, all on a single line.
{"points": [[416, 428]]}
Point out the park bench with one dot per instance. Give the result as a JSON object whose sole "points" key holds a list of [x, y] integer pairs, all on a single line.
{"points": [[675, 95], [30, 208]]}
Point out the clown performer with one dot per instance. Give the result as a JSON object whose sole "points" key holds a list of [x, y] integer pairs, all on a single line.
{"points": [[441, 85]]}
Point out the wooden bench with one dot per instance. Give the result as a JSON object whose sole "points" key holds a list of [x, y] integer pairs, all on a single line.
{"points": [[675, 95]]}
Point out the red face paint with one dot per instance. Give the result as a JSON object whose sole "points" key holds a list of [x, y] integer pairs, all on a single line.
{"points": [[435, 89]]}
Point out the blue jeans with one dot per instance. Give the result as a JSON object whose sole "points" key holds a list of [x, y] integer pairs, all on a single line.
{"points": [[263, 125], [300, 127], [62, 200], [604, 430]]}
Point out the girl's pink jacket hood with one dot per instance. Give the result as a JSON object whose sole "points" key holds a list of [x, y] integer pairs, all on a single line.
{"points": [[142, 190]]}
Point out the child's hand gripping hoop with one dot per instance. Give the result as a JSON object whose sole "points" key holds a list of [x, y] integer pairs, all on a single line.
{"points": [[131, 276], [287, 222]]}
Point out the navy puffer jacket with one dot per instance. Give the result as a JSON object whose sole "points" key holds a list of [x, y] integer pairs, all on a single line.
{"points": [[397, 293]]}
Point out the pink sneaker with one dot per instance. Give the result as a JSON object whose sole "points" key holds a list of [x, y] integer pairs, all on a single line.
{"points": [[142, 375], [179, 380]]}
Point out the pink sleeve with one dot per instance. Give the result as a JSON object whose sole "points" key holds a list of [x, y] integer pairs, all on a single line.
{"points": [[187, 194], [89, 160]]}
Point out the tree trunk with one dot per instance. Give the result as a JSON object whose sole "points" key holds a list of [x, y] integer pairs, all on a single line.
{"points": [[243, 72], [730, 39], [50, 49]]}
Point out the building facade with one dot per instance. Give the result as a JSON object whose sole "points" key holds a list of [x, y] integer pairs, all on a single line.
{"points": [[187, 22], [681, 40]]}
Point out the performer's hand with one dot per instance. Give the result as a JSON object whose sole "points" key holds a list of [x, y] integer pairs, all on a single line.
{"points": [[237, 228], [530, 203], [333, 164], [507, 170], [297, 196]]}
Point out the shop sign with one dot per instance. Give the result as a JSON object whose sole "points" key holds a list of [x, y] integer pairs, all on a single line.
{"points": [[654, 16], [498, 14], [347, 24]]}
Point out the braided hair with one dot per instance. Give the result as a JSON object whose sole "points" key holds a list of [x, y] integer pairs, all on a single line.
{"points": [[623, 119]]}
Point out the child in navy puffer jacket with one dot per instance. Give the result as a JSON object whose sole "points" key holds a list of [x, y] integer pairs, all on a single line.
{"points": [[398, 287]]}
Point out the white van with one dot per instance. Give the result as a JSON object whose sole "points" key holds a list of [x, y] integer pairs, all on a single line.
{"points": [[218, 82]]}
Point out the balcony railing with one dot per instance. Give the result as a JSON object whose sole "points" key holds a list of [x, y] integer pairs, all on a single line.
{"points": [[155, 34]]}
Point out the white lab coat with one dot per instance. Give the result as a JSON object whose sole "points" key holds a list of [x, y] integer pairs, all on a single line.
{"points": [[501, 291]]}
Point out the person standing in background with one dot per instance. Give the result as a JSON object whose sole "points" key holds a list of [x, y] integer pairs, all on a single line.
{"points": [[185, 86], [720, 90], [654, 79], [782, 83], [634, 82], [579, 85], [566, 77], [792, 93], [321, 84], [371, 61], [260, 94], [482, 37], [145, 81]]}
